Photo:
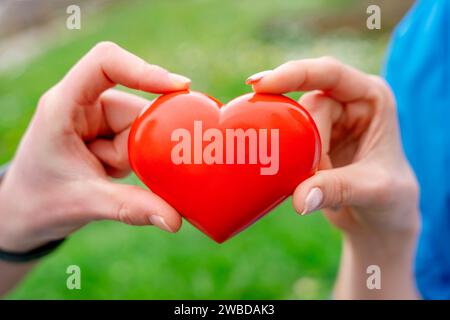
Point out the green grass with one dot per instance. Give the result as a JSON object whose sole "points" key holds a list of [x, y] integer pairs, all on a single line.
{"points": [[217, 44]]}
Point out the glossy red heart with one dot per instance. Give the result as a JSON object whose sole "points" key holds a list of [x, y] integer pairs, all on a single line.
{"points": [[216, 178]]}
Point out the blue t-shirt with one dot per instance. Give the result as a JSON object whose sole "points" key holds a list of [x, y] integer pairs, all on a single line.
{"points": [[418, 69]]}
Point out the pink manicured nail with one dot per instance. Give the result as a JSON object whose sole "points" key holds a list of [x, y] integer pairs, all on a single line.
{"points": [[160, 223], [313, 201], [257, 76], [178, 78]]}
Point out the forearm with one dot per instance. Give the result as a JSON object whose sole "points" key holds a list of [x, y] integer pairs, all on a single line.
{"points": [[393, 255], [11, 274]]}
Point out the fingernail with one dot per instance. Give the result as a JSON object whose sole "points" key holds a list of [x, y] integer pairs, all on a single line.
{"points": [[313, 201], [160, 223], [257, 76], [178, 78]]}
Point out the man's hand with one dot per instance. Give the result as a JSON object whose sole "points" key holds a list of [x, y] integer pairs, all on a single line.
{"points": [[59, 179]]}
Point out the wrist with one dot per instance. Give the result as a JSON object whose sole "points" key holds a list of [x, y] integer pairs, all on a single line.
{"points": [[386, 230], [13, 235], [386, 257], [19, 246], [3, 223], [9, 237], [391, 242], [381, 246], [35, 211]]}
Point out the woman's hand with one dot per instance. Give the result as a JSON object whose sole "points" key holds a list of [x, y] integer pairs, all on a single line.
{"points": [[59, 179], [364, 184]]}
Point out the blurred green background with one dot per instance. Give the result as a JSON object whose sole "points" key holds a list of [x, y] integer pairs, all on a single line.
{"points": [[218, 44]]}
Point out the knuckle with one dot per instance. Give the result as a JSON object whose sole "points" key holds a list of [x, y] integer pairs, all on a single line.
{"points": [[144, 70], [333, 67], [105, 46], [378, 80], [309, 98], [122, 160], [313, 101], [388, 186], [332, 62], [120, 157], [380, 186], [342, 191], [339, 192], [45, 102], [384, 183], [153, 69], [44, 97], [123, 213], [410, 186], [291, 63], [383, 93], [329, 59]]}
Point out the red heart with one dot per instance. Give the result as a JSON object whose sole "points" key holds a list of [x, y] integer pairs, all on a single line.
{"points": [[228, 195]]}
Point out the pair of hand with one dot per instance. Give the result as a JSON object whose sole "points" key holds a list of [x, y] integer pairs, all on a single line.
{"points": [[59, 179]]}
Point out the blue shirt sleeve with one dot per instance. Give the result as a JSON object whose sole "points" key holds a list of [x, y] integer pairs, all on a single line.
{"points": [[418, 70]]}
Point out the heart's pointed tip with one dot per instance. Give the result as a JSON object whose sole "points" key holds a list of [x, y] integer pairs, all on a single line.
{"points": [[219, 240]]}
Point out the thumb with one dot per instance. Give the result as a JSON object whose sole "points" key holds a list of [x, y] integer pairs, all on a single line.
{"points": [[329, 189], [132, 205]]}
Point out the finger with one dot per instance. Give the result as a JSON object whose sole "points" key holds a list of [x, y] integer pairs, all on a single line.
{"points": [[325, 112], [106, 65], [116, 173], [131, 205], [338, 187], [113, 153], [120, 109], [340, 81]]}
